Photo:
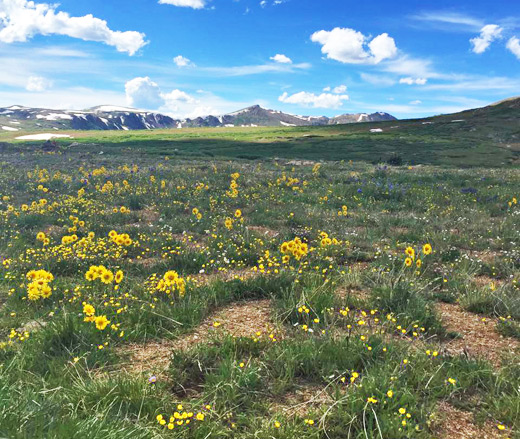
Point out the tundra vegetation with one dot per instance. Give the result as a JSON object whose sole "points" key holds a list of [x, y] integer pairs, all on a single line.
{"points": [[147, 293]]}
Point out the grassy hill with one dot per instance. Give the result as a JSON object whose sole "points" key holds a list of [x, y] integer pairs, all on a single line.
{"points": [[488, 136]]}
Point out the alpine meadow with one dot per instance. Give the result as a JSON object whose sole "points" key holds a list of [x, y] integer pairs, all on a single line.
{"points": [[173, 266]]}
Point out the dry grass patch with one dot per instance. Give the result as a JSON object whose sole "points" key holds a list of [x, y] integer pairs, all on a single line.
{"points": [[352, 292], [302, 400], [486, 256], [479, 337], [452, 423], [242, 319], [264, 231], [148, 215]]}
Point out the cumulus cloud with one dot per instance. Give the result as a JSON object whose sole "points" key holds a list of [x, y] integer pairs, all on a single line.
{"points": [[182, 61], [488, 34], [352, 47], [142, 92], [37, 83], [177, 96], [514, 46], [306, 99], [340, 89], [21, 20], [282, 59], [195, 4], [413, 81]]}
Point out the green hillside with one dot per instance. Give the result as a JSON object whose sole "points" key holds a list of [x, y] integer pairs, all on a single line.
{"points": [[488, 136]]}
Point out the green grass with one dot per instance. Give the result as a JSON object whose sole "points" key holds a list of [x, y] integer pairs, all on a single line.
{"points": [[69, 379], [485, 137]]}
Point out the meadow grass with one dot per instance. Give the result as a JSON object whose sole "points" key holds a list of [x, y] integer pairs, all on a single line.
{"points": [[254, 298]]}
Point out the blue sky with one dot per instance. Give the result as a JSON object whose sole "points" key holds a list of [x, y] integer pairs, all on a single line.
{"points": [[195, 57]]}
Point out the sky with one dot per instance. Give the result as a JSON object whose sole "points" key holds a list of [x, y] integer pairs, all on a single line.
{"points": [[190, 58]]}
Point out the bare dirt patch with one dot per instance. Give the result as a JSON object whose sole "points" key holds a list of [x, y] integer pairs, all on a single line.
{"points": [[486, 256], [486, 281], [478, 335], [346, 292], [242, 319], [302, 400], [452, 423], [148, 215], [264, 231]]}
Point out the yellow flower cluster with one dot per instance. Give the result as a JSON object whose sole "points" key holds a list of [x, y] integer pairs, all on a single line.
{"points": [[122, 209], [39, 286], [14, 336], [171, 282], [229, 223], [410, 253], [296, 247], [343, 211], [291, 182], [180, 418], [103, 274], [196, 213], [43, 238], [326, 241], [512, 202], [233, 186], [101, 322], [120, 239], [69, 239]]}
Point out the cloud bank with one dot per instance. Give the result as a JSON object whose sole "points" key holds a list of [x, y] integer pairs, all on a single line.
{"points": [[20, 20]]}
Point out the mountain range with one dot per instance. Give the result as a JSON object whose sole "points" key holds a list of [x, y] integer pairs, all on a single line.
{"points": [[108, 117]]}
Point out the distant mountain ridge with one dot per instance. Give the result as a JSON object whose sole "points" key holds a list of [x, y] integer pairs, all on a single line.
{"points": [[109, 117]]}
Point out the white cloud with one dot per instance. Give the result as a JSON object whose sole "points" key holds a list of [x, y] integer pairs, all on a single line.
{"points": [[146, 94], [417, 102], [263, 3], [182, 61], [75, 98], [412, 81], [352, 47], [327, 89], [37, 83], [61, 52], [488, 34], [256, 69], [382, 47], [449, 19], [514, 46], [340, 89], [20, 20], [379, 80], [306, 99], [143, 93], [405, 65], [177, 96], [282, 59], [483, 84], [195, 4]]}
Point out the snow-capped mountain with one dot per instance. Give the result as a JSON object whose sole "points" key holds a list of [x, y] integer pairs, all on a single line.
{"points": [[109, 117]]}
